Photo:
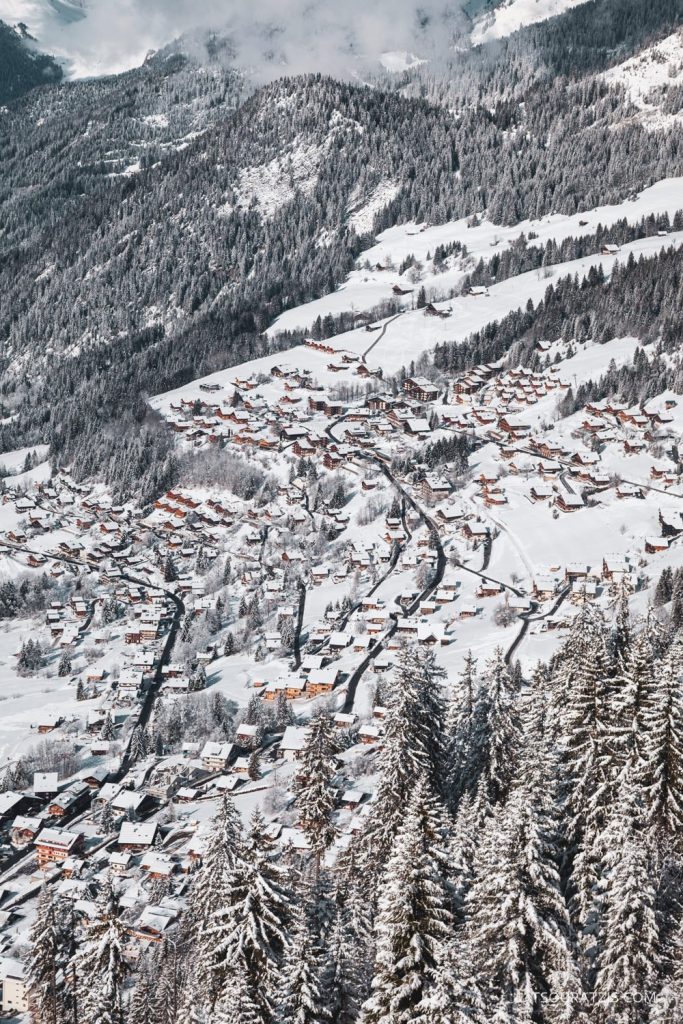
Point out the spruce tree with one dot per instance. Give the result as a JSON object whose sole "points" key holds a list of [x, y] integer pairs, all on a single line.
{"points": [[108, 732], [493, 757], [519, 934], [252, 927], [413, 921], [102, 963], [315, 793], [211, 898], [659, 769], [137, 749], [43, 961], [413, 748], [302, 1000], [628, 951]]}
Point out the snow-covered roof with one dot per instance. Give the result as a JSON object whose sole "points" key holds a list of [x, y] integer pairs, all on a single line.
{"points": [[137, 833]]}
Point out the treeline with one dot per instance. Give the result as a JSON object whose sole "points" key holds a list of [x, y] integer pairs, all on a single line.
{"points": [[642, 299], [522, 257]]}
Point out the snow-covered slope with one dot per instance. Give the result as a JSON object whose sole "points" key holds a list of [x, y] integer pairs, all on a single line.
{"points": [[515, 14], [411, 334], [379, 267], [648, 78]]}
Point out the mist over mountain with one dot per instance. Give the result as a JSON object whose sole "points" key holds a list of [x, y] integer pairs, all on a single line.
{"points": [[274, 37]]}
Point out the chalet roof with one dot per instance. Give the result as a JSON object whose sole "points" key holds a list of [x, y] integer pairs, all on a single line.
{"points": [[137, 833], [294, 737], [8, 800], [58, 838]]}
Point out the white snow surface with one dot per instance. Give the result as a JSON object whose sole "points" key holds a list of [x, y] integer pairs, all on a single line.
{"points": [[515, 14], [365, 289], [647, 77]]}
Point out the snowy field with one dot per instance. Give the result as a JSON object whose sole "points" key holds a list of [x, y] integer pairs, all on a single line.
{"points": [[409, 336], [515, 14], [365, 289]]}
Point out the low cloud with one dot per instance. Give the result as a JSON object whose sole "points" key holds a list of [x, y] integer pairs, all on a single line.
{"points": [[269, 37]]}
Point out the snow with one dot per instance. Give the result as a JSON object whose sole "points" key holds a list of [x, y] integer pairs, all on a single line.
{"points": [[516, 14], [647, 77], [270, 186], [362, 216], [14, 461], [412, 333], [365, 288], [397, 61]]}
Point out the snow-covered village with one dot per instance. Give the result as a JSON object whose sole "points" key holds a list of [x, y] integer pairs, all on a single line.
{"points": [[341, 524], [235, 650]]}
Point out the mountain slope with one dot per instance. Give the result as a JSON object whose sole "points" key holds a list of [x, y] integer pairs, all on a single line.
{"points": [[156, 223], [21, 68]]}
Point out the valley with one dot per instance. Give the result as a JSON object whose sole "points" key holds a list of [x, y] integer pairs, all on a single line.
{"points": [[341, 517]]}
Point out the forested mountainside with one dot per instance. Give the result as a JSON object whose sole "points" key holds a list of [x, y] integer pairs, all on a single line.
{"points": [[642, 298], [22, 69], [155, 223], [586, 39]]}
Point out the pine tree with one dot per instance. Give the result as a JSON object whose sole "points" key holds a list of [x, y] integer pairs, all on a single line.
{"points": [[43, 962], [143, 1005], [628, 950], [284, 715], [666, 1007], [659, 770], [107, 820], [237, 1004], [137, 749], [213, 884], [254, 766], [302, 1001], [229, 645], [412, 747], [519, 935], [252, 927], [198, 679], [582, 685], [664, 588], [346, 985], [455, 998], [315, 793], [459, 728], [640, 691], [102, 963], [108, 732], [413, 921], [170, 572], [64, 668], [493, 759]]}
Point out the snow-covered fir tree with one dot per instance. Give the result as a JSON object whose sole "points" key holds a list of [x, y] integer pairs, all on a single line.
{"points": [[315, 798]]}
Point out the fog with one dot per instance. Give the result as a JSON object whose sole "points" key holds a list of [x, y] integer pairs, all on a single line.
{"points": [[268, 37]]}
